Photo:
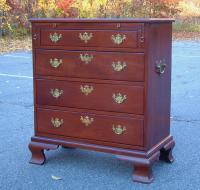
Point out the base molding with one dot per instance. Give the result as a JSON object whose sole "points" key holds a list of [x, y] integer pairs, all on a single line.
{"points": [[142, 160]]}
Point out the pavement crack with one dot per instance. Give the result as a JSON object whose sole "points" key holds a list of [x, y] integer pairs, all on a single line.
{"points": [[16, 104], [185, 120]]}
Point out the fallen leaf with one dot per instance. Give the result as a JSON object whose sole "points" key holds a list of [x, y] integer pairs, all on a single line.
{"points": [[55, 177]]}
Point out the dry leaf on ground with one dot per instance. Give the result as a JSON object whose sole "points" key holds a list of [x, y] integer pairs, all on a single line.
{"points": [[56, 177]]}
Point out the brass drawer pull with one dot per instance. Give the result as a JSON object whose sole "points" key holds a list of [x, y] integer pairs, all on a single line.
{"points": [[56, 93], [55, 37], [118, 38], [118, 130], [55, 63], [118, 66], [57, 122], [160, 66], [86, 120], [86, 58], [85, 36], [119, 98], [86, 89]]}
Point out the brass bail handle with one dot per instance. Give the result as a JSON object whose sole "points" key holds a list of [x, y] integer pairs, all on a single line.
{"points": [[55, 63], [56, 93], [86, 58], [118, 130], [119, 98], [118, 38], [119, 66], [55, 37], [85, 37], [56, 122], [86, 120], [86, 89]]}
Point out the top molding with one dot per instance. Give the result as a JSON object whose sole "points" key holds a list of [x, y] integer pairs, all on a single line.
{"points": [[105, 20]]}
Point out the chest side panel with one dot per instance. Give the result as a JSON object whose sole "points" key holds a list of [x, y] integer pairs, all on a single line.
{"points": [[158, 82]]}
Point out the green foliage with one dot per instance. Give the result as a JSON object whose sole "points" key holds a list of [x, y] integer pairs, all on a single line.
{"points": [[126, 8], [14, 14]]}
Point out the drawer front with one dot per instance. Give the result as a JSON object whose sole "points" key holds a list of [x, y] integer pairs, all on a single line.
{"points": [[125, 130], [91, 38], [107, 97], [90, 64]]}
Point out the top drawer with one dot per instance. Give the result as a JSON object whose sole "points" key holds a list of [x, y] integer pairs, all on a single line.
{"points": [[92, 38]]}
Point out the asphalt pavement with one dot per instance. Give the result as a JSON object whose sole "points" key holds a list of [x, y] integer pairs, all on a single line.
{"points": [[88, 170]]}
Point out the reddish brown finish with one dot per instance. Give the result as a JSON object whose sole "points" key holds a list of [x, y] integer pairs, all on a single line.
{"points": [[37, 149], [158, 90], [100, 38], [84, 80], [100, 128], [99, 99], [142, 167], [166, 152], [145, 113], [134, 39], [99, 68]]}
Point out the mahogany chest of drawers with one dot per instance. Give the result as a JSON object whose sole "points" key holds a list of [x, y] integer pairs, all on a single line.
{"points": [[103, 85]]}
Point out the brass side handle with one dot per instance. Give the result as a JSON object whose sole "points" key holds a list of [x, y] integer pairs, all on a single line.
{"points": [[118, 130], [119, 98], [86, 89], [118, 38], [55, 63], [160, 66], [55, 37], [118, 66], [56, 93], [85, 36], [56, 122], [87, 120], [86, 58]]}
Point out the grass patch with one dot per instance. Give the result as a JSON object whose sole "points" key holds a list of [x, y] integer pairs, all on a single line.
{"points": [[186, 27], [8, 44], [186, 36]]}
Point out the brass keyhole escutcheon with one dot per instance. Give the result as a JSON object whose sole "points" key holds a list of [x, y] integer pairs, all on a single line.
{"points": [[118, 25]]}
